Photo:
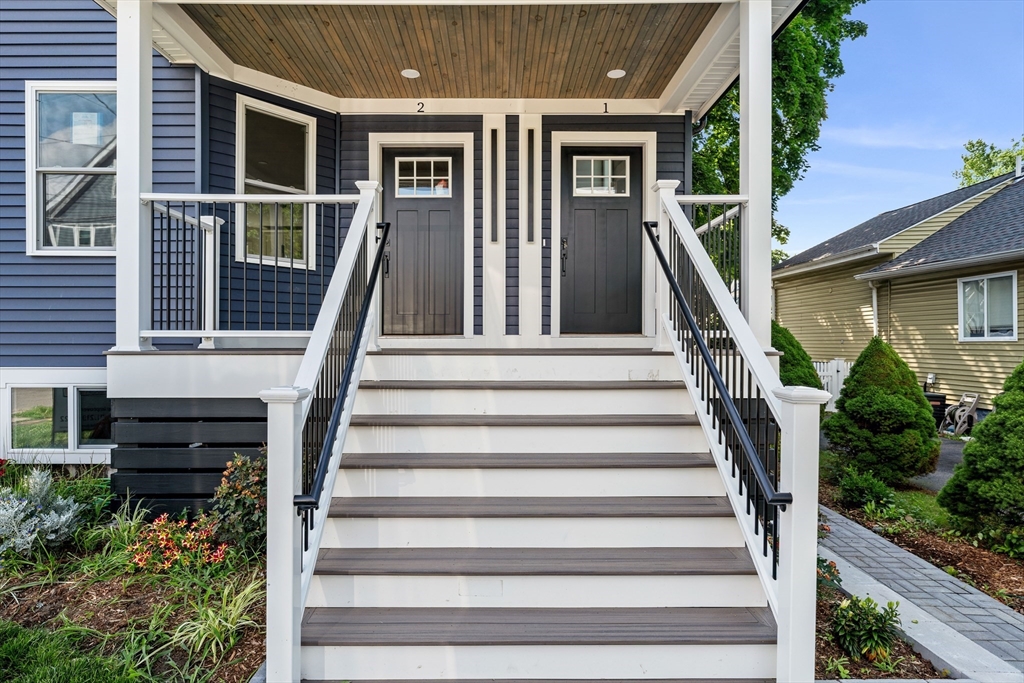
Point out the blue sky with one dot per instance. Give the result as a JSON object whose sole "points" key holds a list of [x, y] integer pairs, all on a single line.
{"points": [[930, 75]]}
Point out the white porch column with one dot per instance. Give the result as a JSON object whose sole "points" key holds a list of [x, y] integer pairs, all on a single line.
{"points": [[134, 170], [284, 533], [798, 537], [756, 164]]}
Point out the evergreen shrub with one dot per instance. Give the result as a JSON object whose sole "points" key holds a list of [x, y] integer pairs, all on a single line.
{"points": [[883, 424], [858, 489], [986, 491], [795, 365]]}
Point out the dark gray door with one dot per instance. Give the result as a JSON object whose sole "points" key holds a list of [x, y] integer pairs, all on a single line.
{"points": [[422, 278], [600, 242]]}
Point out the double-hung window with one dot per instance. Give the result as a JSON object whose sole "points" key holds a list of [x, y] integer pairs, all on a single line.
{"points": [[988, 307], [71, 167], [275, 154]]}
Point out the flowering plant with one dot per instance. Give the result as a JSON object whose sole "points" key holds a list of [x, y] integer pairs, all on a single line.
{"points": [[240, 503], [167, 543]]}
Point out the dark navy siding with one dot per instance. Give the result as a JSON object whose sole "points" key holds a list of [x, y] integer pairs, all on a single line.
{"points": [[512, 225], [59, 311], [355, 165], [671, 166], [269, 303]]}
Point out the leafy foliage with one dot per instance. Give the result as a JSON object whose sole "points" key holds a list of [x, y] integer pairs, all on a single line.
{"points": [[805, 63], [33, 515], [883, 424], [795, 365], [987, 488], [39, 656], [240, 503], [863, 630], [165, 544], [828, 574], [983, 160], [220, 619], [857, 490]]}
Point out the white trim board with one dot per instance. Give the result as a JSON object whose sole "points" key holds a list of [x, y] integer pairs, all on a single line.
{"points": [[377, 143], [648, 141]]}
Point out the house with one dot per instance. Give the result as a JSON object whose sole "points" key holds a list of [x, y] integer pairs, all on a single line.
{"points": [[940, 280], [443, 259]]}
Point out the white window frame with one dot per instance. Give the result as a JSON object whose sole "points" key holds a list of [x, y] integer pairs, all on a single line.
{"points": [[33, 193], [592, 159], [242, 104], [431, 160], [72, 379], [960, 306]]}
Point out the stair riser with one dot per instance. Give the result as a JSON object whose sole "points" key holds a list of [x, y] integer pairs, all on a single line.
{"points": [[518, 439], [703, 481], [550, 532], [542, 661], [522, 402], [582, 368], [536, 591]]}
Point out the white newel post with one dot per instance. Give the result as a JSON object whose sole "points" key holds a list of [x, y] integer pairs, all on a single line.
{"points": [[666, 190], [134, 171], [209, 225], [284, 537], [756, 165], [798, 538]]}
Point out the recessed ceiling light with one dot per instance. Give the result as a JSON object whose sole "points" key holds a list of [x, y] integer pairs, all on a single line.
{"points": [[616, 73], [413, 73]]}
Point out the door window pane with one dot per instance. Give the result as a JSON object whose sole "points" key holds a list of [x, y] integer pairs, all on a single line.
{"points": [[601, 176], [423, 177], [94, 418], [39, 417]]}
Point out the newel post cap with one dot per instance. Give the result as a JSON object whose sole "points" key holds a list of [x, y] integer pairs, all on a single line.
{"points": [[284, 394], [368, 186], [801, 395], [665, 185]]}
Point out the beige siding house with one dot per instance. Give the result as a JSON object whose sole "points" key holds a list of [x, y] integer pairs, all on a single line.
{"points": [[941, 280]]}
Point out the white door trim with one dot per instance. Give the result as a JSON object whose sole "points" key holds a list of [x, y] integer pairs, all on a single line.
{"points": [[648, 140], [377, 143]]}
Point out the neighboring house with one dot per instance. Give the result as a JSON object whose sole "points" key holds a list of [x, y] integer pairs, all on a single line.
{"points": [[942, 281], [427, 237]]}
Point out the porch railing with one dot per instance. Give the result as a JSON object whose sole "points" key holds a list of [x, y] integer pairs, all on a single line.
{"points": [[717, 221], [763, 436], [242, 265]]}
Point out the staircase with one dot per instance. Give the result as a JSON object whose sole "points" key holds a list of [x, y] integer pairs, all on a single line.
{"points": [[531, 516]]}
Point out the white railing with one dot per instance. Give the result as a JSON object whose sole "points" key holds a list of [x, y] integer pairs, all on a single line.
{"points": [[781, 423], [833, 374], [296, 419]]}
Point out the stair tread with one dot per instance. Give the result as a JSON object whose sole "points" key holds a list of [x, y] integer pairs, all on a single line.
{"points": [[521, 506], [440, 626], [523, 460], [520, 384], [535, 561], [399, 420]]}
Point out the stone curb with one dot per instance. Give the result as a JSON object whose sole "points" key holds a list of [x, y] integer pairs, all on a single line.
{"points": [[944, 647]]}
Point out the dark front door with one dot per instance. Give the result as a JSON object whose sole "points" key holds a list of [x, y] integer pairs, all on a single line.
{"points": [[423, 200], [600, 242]]}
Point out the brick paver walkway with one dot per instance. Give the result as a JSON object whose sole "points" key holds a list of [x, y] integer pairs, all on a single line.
{"points": [[989, 623]]}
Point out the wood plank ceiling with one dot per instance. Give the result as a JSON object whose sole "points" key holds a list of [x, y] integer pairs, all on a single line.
{"points": [[465, 51]]}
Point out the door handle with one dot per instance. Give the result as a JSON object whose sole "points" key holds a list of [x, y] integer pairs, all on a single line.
{"points": [[387, 263], [565, 254]]}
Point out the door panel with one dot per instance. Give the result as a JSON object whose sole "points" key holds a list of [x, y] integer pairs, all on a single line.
{"points": [[601, 271], [423, 288]]}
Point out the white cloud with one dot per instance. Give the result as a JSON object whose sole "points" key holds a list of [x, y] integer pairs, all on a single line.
{"points": [[895, 136]]}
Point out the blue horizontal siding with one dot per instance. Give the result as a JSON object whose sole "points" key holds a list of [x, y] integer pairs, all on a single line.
{"points": [[59, 311]]}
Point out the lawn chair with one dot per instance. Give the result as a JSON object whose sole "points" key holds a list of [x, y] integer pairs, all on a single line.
{"points": [[962, 416]]}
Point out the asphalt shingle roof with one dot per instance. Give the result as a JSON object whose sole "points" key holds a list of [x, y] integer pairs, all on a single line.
{"points": [[993, 227], [887, 224]]}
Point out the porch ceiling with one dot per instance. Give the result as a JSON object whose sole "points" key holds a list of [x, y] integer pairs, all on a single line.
{"points": [[461, 51]]}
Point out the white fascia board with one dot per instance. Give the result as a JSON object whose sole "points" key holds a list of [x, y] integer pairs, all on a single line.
{"points": [[858, 254], [950, 264], [192, 40], [717, 34]]}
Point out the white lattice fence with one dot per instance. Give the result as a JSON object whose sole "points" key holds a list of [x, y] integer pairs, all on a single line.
{"points": [[832, 373]]}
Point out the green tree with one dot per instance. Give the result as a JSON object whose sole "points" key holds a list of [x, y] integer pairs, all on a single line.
{"points": [[983, 160], [805, 62], [883, 424], [987, 488]]}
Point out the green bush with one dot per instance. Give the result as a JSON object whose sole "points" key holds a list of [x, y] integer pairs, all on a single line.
{"points": [[795, 366], [858, 489], [240, 503], [987, 488], [33, 516], [863, 630], [883, 424]]}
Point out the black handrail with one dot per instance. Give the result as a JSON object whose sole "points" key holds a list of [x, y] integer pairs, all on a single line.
{"points": [[305, 503], [772, 497]]}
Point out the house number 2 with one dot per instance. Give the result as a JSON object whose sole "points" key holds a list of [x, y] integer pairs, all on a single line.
{"points": [[419, 107]]}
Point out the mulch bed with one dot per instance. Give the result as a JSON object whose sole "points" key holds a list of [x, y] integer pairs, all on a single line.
{"points": [[910, 664]]}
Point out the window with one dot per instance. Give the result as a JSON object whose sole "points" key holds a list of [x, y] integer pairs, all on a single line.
{"points": [[71, 167], [60, 418], [601, 176], [424, 177], [988, 307], [275, 154]]}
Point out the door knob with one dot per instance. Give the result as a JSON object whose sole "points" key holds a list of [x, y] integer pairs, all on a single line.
{"points": [[565, 254]]}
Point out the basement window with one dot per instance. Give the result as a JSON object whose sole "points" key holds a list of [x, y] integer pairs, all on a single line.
{"points": [[988, 307], [63, 418], [601, 176]]}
